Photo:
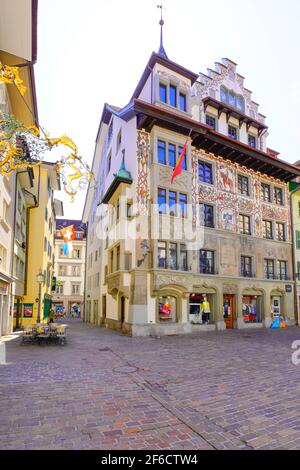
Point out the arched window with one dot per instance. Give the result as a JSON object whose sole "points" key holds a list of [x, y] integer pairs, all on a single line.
{"points": [[167, 309]]}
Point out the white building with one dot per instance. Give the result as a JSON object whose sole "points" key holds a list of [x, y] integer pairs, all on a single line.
{"points": [[69, 269]]}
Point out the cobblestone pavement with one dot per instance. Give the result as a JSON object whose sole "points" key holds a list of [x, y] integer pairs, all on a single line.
{"points": [[227, 390]]}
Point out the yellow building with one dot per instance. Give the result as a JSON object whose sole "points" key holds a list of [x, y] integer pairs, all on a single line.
{"points": [[295, 201], [40, 249], [18, 47]]}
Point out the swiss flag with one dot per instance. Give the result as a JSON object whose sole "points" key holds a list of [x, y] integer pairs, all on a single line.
{"points": [[68, 233]]}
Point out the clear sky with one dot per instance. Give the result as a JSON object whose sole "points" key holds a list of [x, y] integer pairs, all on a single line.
{"points": [[94, 51]]}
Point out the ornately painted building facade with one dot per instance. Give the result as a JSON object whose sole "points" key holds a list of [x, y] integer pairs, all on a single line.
{"points": [[233, 194]]}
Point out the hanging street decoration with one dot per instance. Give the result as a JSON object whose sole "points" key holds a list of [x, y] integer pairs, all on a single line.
{"points": [[10, 75], [23, 147]]}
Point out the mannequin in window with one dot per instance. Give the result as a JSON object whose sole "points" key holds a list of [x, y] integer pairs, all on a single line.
{"points": [[205, 311]]}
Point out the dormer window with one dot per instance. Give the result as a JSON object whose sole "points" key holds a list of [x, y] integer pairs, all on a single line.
{"points": [[233, 100], [224, 95], [173, 95], [162, 93]]}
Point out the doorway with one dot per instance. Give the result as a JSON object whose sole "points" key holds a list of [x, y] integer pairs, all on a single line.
{"points": [[122, 310], [228, 311]]}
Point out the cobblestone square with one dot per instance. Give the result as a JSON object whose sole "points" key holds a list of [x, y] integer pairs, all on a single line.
{"points": [[229, 390]]}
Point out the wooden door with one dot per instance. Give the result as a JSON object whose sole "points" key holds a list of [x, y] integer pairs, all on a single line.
{"points": [[228, 311]]}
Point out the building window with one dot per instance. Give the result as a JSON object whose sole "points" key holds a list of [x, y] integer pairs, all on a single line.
{"points": [[112, 261], [282, 270], [172, 155], [243, 185], [265, 192], [205, 172], [182, 101], [60, 289], [173, 95], [119, 139], [161, 152], [62, 270], [245, 224], [252, 141], [232, 132], [162, 93], [110, 130], [46, 214], [298, 240], [118, 258], [207, 262], [75, 289], [172, 202], [172, 260], [278, 196], [240, 103], [211, 122], [76, 271], [108, 163], [224, 95], [246, 266], [162, 200], [45, 243], [267, 230], [269, 269], [280, 232], [162, 255], [76, 254], [183, 204], [231, 99], [183, 260], [184, 162], [3, 257], [207, 215]]}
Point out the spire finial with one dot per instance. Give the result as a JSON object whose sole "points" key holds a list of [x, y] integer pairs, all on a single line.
{"points": [[161, 47]]}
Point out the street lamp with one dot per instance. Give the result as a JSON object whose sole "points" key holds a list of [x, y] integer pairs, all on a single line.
{"points": [[40, 280]]}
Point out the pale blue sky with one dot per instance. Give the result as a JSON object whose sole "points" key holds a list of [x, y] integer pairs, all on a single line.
{"points": [[94, 51]]}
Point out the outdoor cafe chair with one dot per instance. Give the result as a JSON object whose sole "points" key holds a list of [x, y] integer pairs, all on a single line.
{"points": [[61, 334], [29, 334], [43, 333]]}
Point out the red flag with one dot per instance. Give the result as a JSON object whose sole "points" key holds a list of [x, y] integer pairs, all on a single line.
{"points": [[68, 233], [178, 168]]}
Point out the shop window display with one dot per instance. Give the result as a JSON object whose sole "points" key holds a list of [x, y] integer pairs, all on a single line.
{"points": [[200, 309], [167, 309], [251, 309]]}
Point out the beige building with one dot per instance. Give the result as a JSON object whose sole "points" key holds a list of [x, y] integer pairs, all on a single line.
{"points": [[70, 269], [220, 234]]}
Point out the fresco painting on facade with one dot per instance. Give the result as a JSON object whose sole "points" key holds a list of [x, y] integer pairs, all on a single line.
{"points": [[232, 183]]}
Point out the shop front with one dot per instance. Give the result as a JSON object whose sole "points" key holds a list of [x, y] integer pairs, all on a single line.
{"points": [[167, 309], [201, 310], [252, 307]]}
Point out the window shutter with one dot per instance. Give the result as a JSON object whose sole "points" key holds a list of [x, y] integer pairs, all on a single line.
{"points": [[298, 239]]}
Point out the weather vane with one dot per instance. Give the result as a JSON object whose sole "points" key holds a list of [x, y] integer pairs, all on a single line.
{"points": [[161, 47]]}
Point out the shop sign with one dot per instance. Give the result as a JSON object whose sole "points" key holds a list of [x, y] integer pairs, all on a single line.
{"points": [[28, 311], [288, 288]]}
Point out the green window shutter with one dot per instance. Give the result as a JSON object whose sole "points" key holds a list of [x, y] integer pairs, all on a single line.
{"points": [[298, 240], [298, 267]]}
